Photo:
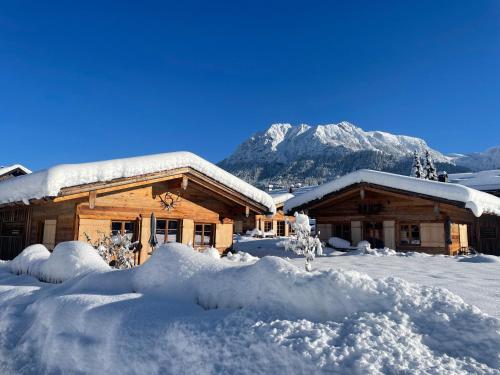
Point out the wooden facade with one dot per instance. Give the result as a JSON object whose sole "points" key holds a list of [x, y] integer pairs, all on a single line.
{"points": [[279, 223], [202, 213], [403, 221]]}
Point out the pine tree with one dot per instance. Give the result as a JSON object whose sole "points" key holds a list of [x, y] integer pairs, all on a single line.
{"points": [[430, 169], [417, 170]]}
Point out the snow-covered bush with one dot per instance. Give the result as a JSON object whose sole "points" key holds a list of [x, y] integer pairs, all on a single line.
{"points": [[71, 259], [211, 252], [339, 243], [302, 242], [116, 250], [30, 260]]}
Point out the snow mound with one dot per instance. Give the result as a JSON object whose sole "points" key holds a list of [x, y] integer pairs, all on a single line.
{"points": [[480, 258], [30, 260], [255, 232], [363, 246], [69, 260], [339, 243], [240, 256], [381, 252], [291, 320], [211, 252]]}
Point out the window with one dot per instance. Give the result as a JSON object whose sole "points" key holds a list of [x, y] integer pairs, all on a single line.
{"points": [[409, 234], [268, 226], [203, 235], [280, 228], [342, 230], [124, 228], [167, 231]]}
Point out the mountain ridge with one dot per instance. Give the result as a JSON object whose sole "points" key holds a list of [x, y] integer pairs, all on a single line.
{"points": [[287, 154]]}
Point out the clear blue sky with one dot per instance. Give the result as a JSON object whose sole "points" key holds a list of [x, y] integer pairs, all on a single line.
{"points": [[99, 80]]}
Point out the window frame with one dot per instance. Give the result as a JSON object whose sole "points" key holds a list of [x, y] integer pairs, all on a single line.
{"points": [[410, 234], [166, 229], [345, 230], [280, 228], [266, 224], [122, 228], [202, 241]]}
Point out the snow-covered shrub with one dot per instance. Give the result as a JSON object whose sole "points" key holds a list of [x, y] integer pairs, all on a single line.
{"points": [[211, 252], [302, 242], [116, 250], [240, 256], [339, 243], [71, 259], [30, 260], [364, 246]]}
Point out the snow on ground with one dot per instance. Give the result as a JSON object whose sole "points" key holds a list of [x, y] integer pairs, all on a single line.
{"points": [[476, 279], [186, 312]]}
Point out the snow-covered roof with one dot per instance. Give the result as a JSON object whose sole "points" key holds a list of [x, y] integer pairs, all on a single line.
{"points": [[49, 182], [478, 202], [10, 168], [483, 180], [281, 198]]}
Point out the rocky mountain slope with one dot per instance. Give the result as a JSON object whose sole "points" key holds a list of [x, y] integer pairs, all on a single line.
{"points": [[286, 154]]}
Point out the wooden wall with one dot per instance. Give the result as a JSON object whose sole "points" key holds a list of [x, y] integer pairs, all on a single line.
{"points": [[65, 215], [364, 204], [195, 205]]}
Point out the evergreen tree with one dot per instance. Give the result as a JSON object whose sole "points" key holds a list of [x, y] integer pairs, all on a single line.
{"points": [[417, 170], [430, 169]]}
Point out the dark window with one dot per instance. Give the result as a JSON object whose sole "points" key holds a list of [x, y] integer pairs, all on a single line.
{"points": [[342, 230], [167, 231], [268, 226], [280, 228], [409, 234], [488, 233], [203, 235], [123, 228], [12, 229]]}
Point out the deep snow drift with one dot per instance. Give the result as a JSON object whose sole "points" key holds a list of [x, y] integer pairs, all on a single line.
{"points": [[68, 260], [186, 312]]}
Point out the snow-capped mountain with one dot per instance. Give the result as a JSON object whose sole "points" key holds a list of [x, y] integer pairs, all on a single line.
{"points": [[479, 161], [313, 154]]}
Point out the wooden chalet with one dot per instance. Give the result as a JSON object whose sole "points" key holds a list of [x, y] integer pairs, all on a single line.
{"points": [[278, 223], [194, 202], [403, 213], [13, 171]]}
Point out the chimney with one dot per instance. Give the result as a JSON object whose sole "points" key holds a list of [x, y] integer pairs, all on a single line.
{"points": [[443, 177]]}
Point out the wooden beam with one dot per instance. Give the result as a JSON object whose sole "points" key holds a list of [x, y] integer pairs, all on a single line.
{"points": [[92, 198], [185, 181]]}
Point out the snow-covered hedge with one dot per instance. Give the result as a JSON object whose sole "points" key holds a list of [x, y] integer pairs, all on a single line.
{"points": [[68, 260], [71, 259], [30, 260]]}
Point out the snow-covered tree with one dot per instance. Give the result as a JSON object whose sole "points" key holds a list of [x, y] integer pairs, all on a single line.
{"points": [[117, 250], [302, 243], [430, 169], [417, 170]]}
